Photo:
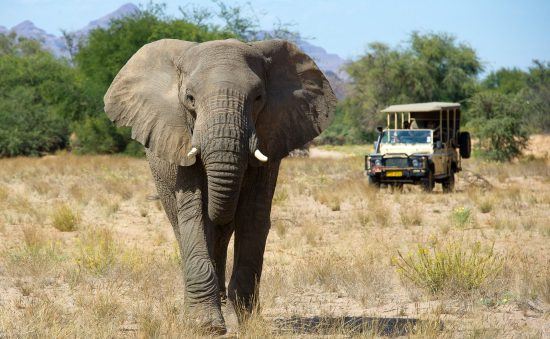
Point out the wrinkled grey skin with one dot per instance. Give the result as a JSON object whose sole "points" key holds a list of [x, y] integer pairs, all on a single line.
{"points": [[226, 99]]}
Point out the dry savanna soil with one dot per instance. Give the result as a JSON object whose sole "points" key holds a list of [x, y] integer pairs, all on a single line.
{"points": [[86, 251]]}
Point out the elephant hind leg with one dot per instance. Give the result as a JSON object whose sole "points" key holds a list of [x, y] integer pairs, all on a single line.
{"points": [[247, 269], [251, 229]]}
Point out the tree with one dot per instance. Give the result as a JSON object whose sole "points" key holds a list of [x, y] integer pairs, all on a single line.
{"points": [[506, 81], [431, 67], [105, 52], [497, 119], [38, 98], [531, 88], [537, 97]]}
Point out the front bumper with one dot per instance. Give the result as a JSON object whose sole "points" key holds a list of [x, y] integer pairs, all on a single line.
{"points": [[395, 174]]}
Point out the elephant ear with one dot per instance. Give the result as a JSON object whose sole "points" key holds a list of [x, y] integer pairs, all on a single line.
{"points": [[144, 96], [300, 102]]}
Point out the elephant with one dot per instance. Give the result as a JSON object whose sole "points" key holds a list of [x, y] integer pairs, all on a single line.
{"points": [[216, 118]]}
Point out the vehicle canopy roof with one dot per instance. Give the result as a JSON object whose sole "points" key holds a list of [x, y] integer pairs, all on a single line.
{"points": [[421, 107]]}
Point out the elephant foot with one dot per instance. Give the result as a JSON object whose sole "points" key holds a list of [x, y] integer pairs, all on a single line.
{"points": [[214, 330], [208, 320], [230, 316]]}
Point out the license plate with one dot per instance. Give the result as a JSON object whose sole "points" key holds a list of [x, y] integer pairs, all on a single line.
{"points": [[394, 174]]}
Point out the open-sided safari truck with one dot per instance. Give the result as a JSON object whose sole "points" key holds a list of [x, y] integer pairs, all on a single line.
{"points": [[422, 144]]}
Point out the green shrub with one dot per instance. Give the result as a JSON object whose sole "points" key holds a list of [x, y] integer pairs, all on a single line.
{"points": [[461, 216], [97, 135], [64, 219], [497, 120], [134, 149], [28, 128], [39, 97], [454, 267]]}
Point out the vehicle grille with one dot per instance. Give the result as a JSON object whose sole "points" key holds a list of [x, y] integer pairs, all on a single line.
{"points": [[396, 162]]}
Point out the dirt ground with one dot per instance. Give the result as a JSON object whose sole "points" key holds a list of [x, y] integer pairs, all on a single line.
{"points": [[86, 250]]}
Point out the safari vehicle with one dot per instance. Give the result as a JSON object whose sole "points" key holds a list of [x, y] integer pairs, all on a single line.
{"points": [[422, 144]]}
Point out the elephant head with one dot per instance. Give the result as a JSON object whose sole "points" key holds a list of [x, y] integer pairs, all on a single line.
{"points": [[227, 104]]}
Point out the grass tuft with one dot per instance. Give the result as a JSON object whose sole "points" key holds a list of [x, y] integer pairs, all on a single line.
{"points": [[65, 219], [462, 216], [97, 251], [454, 267]]}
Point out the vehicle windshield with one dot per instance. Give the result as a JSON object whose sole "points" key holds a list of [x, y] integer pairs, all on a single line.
{"points": [[408, 136]]}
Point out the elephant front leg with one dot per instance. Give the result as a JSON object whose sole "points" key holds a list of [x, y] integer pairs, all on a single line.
{"points": [[251, 229], [201, 284], [221, 236]]}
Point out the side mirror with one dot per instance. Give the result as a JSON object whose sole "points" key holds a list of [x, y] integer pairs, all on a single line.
{"points": [[379, 129], [438, 144]]}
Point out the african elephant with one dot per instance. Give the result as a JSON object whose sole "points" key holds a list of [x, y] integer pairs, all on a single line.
{"points": [[216, 118]]}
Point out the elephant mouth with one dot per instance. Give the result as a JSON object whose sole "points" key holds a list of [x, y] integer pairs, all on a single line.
{"points": [[226, 142]]}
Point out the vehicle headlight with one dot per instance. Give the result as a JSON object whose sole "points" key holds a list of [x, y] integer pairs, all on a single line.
{"points": [[418, 162], [378, 162]]}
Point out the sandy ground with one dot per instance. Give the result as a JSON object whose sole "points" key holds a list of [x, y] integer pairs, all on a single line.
{"points": [[331, 259]]}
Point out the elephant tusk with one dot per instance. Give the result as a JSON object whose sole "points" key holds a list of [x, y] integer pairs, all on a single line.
{"points": [[260, 156], [192, 152]]}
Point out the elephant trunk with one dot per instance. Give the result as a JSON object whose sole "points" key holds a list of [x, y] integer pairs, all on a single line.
{"points": [[224, 150]]}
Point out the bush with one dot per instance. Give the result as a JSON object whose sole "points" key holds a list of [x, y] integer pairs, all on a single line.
{"points": [[98, 135], [29, 127], [497, 119], [461, 216], [64, 219], [453, 267], [33, 94]]}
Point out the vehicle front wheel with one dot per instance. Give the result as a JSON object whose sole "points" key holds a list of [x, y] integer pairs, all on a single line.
{"points": [[397, 187], [373, 182], [449, 183], [428, 182]]}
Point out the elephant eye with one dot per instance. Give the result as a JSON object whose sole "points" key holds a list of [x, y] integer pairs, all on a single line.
{"points": [[258, 98], [190, 99]]}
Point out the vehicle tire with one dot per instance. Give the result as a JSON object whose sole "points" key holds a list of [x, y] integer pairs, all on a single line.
{"points": [[428, 182], [465, 144], [373, 182], [398, 187], [449, 183]]}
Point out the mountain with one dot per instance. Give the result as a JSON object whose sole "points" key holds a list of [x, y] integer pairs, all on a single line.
{"points": [[326, 61], [56, 44], [28, 30], [122, 11], [330, 63]]}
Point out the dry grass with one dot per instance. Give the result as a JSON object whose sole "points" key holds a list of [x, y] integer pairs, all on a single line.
{"points": [[329, 255]]}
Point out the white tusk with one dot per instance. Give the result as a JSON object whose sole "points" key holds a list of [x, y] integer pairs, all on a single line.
{"points": [[192, 152], [260, 156]]}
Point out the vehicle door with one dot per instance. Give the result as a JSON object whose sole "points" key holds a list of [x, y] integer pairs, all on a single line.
{"points": [[438, 159]]}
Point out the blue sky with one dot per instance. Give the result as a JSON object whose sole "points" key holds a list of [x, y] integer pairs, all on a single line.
{"points": [[505, 33]]}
